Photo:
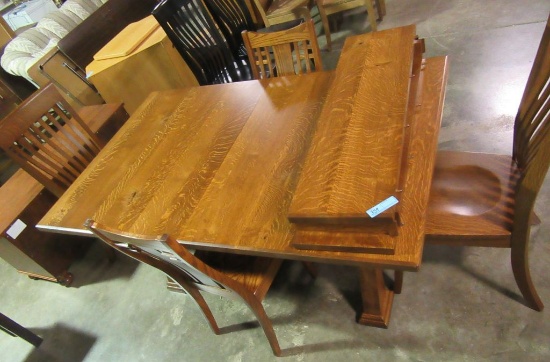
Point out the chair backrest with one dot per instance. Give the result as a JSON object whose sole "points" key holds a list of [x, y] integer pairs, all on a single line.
{"points": [[166, 254], [192, 30], [47, 137], [281, 50], [233, 17], [532, 133]]}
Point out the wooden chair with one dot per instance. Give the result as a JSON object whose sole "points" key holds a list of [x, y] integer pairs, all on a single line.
{"points": [[200, 42], [329, 7], [275, 52], [236, 277], [487, 200], [233, 17], [275, 12], [50, 140]]}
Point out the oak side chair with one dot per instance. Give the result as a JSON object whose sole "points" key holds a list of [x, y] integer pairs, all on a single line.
{"points": [[329, 7], [237, 277], [487, 200], [52, 146], [275, 12], [289, 51]]}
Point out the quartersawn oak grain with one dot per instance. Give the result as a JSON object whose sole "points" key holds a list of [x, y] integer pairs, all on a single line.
{"points": [[355, 159], [217, 167], [424, 128], [121, 184]]}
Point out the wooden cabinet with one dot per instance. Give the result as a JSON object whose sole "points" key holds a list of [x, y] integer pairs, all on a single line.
{"points": [[24, 201], [32, 252], [8, 99], [57, 68], [154, 65], [12, 90], [64, 65]]}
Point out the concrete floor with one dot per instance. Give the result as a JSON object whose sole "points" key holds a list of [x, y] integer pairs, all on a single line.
{"points": [[463, 305]]}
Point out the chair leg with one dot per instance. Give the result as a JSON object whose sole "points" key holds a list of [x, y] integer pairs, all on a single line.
{"points": [[326, 26], [398, 281], [520, 267], [257, 308], [381, 7], [371, 15], [206, 312]]}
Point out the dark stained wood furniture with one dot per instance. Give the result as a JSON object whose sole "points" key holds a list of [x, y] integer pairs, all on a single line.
{"points": [[8, 99], [12, 90], [216, 167], [233, 17], [51, 145], [487, 200], [65, 64], [289, 51], [235, 277], [32, 252], [100, 27], [200, 41], [25, 201]]}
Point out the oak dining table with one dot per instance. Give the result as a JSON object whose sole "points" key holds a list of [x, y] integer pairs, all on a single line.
{"points": [[218, 166]]}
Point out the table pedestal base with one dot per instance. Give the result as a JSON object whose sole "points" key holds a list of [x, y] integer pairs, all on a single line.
{"points": [[377, 298]]}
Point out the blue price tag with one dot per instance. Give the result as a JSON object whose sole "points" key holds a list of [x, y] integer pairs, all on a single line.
{"points": [[383, 206]]}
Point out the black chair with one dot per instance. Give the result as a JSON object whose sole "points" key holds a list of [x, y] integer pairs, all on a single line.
{"points": [[194, 33], [233, 17]]}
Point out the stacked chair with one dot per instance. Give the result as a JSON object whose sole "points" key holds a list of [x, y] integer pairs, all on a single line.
{"points": [[283, 49], [329, 7], [273, 12], [206, 39], [233, 17]]}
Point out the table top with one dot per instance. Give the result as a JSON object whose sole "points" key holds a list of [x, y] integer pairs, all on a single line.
{"points": [[356, 155], [217, 166]]}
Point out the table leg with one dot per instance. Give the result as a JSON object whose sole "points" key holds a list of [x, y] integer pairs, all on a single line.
{"points": [[377, 298]]}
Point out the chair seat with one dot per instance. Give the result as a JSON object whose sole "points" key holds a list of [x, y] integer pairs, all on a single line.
{"points": [[471, 199], [255, 273], [488, 200], [282, 7]]}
